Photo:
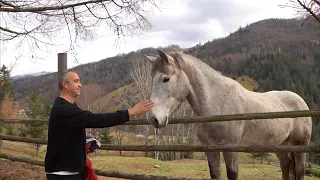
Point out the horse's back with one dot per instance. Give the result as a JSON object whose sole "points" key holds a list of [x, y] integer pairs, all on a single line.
{"points": [[291, 100]]}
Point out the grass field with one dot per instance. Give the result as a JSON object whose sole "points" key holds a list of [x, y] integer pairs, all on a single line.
{"points": [[140, 165], [188, 168], [183, 168]]}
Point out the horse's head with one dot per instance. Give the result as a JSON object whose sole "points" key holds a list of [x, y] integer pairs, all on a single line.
{"points": [[170, 86]]}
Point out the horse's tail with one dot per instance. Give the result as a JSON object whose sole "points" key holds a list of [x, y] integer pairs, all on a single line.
{"points": [[292, 166]]}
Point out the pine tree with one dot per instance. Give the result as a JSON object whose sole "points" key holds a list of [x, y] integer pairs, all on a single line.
{"points": [[6, 88], [10, 130], [38, 109], [106, 137], [6, 91]]}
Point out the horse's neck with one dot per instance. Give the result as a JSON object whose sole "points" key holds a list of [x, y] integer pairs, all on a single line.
{"points": [[206, 86]]}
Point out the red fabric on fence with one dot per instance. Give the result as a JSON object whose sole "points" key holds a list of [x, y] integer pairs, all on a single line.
{"points": [[89, 174]]}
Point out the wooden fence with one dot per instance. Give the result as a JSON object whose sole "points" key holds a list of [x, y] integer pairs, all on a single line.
{"points": [[178, 148], [203, 119], [185, 148]]}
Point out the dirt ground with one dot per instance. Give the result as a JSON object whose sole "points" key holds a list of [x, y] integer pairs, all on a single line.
{"points": [[10, 170]]}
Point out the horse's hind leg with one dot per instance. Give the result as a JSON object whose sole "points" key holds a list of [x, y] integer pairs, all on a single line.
{"points": [[231, 160], [300, 160], [214, 164], [284, 164]]}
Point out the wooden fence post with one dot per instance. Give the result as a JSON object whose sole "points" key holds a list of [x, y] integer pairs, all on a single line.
{"points": [[62, 66], [62, 62]]}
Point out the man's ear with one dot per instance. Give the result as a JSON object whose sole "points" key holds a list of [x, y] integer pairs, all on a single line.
{"points": [[64, 83]]}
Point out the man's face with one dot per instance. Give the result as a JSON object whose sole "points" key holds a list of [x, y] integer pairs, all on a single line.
{"points": [[74, 85]]}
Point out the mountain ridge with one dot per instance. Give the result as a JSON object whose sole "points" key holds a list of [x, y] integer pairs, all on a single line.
{"points": [[29, 75]]}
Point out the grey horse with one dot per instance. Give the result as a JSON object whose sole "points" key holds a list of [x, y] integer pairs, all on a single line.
{"points": [[177, 76]]}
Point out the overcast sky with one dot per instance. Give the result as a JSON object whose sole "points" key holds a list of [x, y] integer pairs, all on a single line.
{"points": [[182, 22]]}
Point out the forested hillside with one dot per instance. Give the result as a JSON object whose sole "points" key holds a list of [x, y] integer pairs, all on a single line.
{"points": [[263, 50], [277, 53]]}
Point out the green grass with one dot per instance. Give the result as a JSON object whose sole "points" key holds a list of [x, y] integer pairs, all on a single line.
{"points": [[194, 169]]}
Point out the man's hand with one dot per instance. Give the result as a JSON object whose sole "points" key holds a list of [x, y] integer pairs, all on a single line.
{"points": [[140, 108]]}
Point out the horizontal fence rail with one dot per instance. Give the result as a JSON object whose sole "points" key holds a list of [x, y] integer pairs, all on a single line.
{"points": [[185, 148], [23, 139], [97, 171], [204, 119]]}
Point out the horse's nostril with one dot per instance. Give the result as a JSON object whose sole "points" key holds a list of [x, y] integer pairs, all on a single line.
{"points": [[156, 122]]}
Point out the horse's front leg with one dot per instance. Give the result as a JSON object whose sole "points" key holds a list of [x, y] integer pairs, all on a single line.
{"points": [[214, 164], [231, 160]]}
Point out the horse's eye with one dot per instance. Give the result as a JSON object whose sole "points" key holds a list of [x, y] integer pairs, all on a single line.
{"points": [[166, 79]]}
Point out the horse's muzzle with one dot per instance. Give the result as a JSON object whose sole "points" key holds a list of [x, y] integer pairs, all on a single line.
{"points": [[157, 124]]}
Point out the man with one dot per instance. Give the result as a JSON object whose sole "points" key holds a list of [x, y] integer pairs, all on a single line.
{"points": [[66, 155]]}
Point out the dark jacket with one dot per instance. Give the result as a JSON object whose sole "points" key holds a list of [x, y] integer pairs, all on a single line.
{"points": [[67, 137]]}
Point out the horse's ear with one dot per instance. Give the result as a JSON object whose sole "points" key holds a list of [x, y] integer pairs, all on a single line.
{"points": [[163, 56], [152, 59]]}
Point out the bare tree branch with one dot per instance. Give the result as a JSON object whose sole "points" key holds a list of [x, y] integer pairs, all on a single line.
{"points": [[308, 8], [49, 8], [10, 31], [7, 3], [44, 21]]}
